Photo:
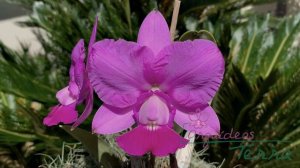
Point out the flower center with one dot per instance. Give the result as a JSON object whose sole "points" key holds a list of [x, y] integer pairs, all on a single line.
{"points": [[199, 124], [154, 88], [154, 112]]}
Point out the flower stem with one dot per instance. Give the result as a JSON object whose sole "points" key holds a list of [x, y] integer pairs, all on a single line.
{"points": [[146, 161], [174, 18], [128, 15], [173, 161], [99, 148]]}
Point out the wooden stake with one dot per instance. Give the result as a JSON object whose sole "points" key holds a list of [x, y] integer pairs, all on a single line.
{"points": [[174, 18]]}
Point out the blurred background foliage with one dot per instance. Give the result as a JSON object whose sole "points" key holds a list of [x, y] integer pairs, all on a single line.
{"points": [[259, 92]]}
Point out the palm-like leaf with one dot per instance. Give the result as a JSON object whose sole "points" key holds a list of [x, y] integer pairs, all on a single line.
{"points": [[260, 89]]}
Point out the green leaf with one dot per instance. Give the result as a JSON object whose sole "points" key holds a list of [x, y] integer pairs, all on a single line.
{"points": [[10, 137], [21, 84], [202, 34], [259, 47], [96, 146]]}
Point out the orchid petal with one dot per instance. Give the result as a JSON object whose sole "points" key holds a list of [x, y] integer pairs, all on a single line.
{"points": [[161, 142], [64, 96], [86, 92], [88, 108], [60, 113], [205, 122], [191, 74], [116, 71], [93, 34], [77, 68], [108, 122], [167, 141], [73, 89], [135, 142], [154, 32]]}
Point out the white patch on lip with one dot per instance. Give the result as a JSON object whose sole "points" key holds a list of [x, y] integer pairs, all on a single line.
{"points": [[152, 126], [155, 88]]}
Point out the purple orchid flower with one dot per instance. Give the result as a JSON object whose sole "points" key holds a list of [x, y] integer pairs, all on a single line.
{"points": [[153, 83], [78, 91]]}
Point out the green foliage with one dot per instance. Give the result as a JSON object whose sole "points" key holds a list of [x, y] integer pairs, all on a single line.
{"points": [[261, 87], [25, 76], [107, 156]]}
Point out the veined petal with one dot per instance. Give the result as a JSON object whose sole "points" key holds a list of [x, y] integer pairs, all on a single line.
{"points": [[135, 142], [167, 141], [61, 114], [108, 122], [86, 92], [77, 68], [154, 32], [204, 122], [93, 34], [64, 96], [161, 142], [116, 71], [192, 73], [74, 90], [88, 108], [78, 54]]}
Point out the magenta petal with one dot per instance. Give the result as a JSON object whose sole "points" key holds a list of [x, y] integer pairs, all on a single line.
{"points": [[93, 34], [78, 52], [192, 72], [86, 92], [161, 142], [116, 71], [87, 110], [204, 122], [64, 97], [73, 89], [154, 32], [77, 69], [167, 141], [135, 142], [108, 122], [61, 114]]}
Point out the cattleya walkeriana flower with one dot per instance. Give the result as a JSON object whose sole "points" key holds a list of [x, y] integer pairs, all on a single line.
{"points": [[153, 83], [78, 90]]}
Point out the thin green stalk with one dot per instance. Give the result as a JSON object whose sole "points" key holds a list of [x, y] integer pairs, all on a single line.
{"points": [[277, 55], [248, 52], [29, 137], [4, 100], [99, 148], [128, 14], [36, 121]]}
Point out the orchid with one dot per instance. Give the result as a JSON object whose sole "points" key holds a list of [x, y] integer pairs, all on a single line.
{"points": [[153, 83], [78, 91]]}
